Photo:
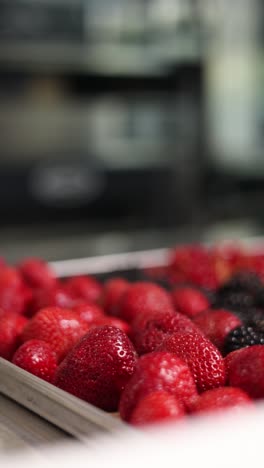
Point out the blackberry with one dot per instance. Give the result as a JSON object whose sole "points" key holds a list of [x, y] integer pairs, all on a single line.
{"points": [[249, 315], [243, 281], [255, 318], [235, 300], [243, 336], [260, 297]]}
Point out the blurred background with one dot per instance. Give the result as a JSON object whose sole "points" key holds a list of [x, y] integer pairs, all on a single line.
{"points": [[128, 125]]}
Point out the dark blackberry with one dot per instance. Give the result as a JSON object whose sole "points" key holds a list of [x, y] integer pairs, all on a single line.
{"points": [[243, 336], [243, 281], [255, 318], [251, 317], [240, 301], [260, 297]]}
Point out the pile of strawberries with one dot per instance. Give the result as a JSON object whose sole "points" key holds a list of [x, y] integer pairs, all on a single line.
{"points": [[152, 353]]}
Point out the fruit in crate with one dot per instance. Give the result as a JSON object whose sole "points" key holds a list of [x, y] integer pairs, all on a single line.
{"points": [[98, 367], [217, 324], [203, 358], [86, 288], [219, 399], [156, 407], [37, 273], [38, 358], [158, 371], [197, 324], [61, 328], [11, 328], [145, 299], [245, 370], [189, 300], [149, 333], [113, 290]]}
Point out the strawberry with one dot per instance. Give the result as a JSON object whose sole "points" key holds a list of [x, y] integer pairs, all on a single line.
{"points": [[61, 328], [113, 290], [246, 370], [90, 313], [37, 273], [201, 355], [143, 298], [14, 293], [94, 315], [147, 335], [38, 358], [56, 296], [229, 358], [116, 322], [98, 367], [84, 287], [193, 263], [189, 301], [219, 399], [157, 407], [157, 371], [11, 327], [216, 325]]}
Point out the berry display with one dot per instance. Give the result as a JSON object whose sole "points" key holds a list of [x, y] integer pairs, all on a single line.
{"points": [[246, 281], [38, 358], [113, 290], [61, 328], [149, 335], [98, 367], [216, 324], [243, 336], [245, 370], [189, 301], [157, 407], [240, 301], [219, 399], [143, 298], [196, 323], [86, 288], [154, 372], [11, 328], [203, 358], [37, 273]]}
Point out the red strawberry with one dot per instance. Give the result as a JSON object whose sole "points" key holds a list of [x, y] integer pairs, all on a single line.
{"points": [[116, 322], [219, 399], [229, 358], [157, 407], [98, 367], [216, 324], [154, 372], [203, 358], [148, 335], [84, 287], [11, 327], [189, 301], [90, 313], [38, 358], [246, 370], [37, 273], [14, 294], [114, 288], [143, 298], [194, 264], [56, 296], [62, 328]]}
